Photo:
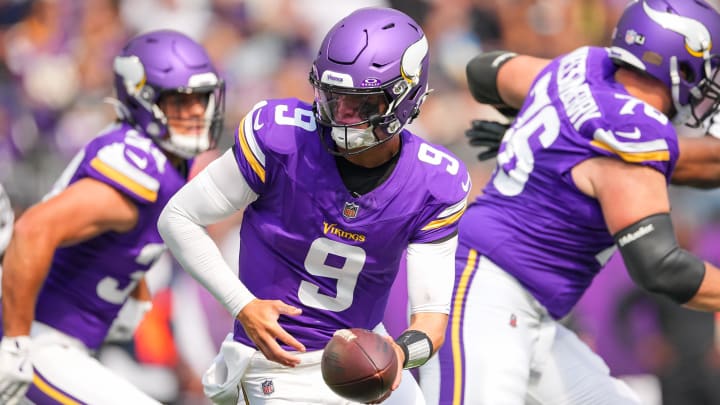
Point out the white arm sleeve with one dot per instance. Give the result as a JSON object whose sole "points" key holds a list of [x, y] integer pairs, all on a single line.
{"points": [[431, 275], [215, 193]]}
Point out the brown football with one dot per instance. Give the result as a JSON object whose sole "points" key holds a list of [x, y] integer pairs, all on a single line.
{"points": [[359, 365]]}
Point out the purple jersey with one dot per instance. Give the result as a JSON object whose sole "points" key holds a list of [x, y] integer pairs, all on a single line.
{"points": [[89, 282], [310, 243], [531, 219]]}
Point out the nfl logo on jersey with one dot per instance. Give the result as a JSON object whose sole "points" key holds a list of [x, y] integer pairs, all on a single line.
{"points": [[350, 210], [268, 387]]}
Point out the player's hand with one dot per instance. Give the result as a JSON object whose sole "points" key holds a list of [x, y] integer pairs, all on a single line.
{"points": [[127, 320], [398, 377], [259, 318], [16, 371], [486, 134]]}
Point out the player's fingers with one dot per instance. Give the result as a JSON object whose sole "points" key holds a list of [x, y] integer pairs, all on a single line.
{"points": [[488, 154], [286, 309], [280, 355], [478, 137], [398, 379], [283, 336]]}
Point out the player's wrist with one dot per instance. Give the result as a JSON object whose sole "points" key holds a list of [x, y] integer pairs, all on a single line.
{"points": [[416, 346]]}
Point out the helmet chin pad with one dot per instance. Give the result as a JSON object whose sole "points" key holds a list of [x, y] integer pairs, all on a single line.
{"points": [[353, 138]]}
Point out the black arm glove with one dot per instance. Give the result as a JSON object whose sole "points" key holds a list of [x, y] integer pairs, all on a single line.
{"points": [[487, 134]]}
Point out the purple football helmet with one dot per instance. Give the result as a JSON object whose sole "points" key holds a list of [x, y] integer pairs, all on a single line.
{"points": [[675, 41], [159, 63], [374, 62]]}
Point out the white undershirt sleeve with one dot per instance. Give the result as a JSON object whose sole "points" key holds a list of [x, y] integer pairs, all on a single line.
{"points": [[431, 275], [215, 193]]}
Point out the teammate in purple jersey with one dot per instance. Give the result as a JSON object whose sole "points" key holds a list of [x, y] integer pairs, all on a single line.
{"points": [[79, 257], [333, 192], [582, 171]]}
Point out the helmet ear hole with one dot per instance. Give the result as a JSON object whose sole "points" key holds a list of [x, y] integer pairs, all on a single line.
{"points": [[686, 72]]}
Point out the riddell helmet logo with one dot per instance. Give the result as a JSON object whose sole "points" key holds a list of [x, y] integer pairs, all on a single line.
{"points": [[336, 79]]}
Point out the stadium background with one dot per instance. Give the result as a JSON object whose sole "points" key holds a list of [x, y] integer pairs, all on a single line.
{"points": [[55, 71]]}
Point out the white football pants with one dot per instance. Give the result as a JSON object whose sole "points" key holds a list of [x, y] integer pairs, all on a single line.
{"points": [[66, 373], [268, 383], [513, 352]]}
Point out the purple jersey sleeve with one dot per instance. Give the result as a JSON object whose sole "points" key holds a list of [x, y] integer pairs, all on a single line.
{"points": [[128, 162]]}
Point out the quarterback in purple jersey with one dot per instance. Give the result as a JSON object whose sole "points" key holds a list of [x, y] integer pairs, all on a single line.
{"points": [[582, 171], [79, 257], [334, 193]]}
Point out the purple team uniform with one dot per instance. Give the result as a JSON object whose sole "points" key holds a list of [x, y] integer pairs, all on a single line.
{"points": [[531, 219], [310, 243], [89, 282]]}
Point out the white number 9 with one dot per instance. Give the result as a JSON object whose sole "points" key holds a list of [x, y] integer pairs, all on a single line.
{"points": [[346, 276]]}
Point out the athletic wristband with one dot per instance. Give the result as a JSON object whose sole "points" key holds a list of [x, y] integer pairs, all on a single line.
{"points": [[417, 347]]}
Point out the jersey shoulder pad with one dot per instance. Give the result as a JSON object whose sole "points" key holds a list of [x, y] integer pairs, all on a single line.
{"points": [[446, 179], [272, 127], [635, 132], [128, 161]]}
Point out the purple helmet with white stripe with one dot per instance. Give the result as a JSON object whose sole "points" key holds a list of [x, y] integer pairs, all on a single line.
{"points": [[166, 62], [378, 59], [676, 42]]}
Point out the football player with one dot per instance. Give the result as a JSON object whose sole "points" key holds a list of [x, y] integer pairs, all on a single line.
{"points": [[334, 192], [79, 256], [582, 171]]}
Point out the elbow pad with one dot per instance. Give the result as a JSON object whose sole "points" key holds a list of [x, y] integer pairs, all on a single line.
{"points": [[482, 73], [656, 262]]}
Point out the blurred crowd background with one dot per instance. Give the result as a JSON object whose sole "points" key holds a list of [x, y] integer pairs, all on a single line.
{"points": [[55, 72]]}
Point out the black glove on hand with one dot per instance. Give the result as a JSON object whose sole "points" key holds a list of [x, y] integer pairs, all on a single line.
{"points": [[488, 134]]}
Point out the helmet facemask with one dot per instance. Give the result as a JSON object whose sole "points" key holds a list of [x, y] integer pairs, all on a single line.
{"points": [[705, 98], [192, 118], [354, 116]]}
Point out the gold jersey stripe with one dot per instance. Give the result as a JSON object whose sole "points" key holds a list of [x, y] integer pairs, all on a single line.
{"points": [[634, 157], [52, 392], [127, 182], [439, 223], [455, 325], [249, 156]]}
